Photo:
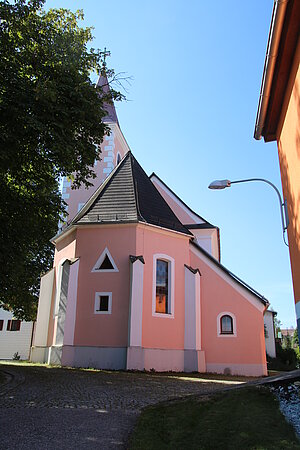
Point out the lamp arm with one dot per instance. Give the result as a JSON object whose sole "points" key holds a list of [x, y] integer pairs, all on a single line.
{"points": [[283, 208]]}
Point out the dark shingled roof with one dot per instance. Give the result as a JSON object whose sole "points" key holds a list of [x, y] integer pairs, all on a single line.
{"points": [[128, 195], [182, 202]]}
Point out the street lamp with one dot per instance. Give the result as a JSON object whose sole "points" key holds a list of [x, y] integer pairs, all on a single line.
{"points": [[222, 184]]}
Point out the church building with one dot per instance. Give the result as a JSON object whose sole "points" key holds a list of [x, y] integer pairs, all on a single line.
{"points": [[137, 281]]}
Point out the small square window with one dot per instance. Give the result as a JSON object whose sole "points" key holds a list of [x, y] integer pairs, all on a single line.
{"points": [[1, 324], [103, 303]]}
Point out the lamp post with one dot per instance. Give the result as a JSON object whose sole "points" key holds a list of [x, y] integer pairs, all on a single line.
{"points": [[222, 184]]}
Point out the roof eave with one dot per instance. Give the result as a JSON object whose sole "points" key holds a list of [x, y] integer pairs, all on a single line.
{"points": [[278, 15], [62, 234]]}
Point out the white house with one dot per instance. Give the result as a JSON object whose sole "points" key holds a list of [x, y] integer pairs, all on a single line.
{"points": [[15, 336]]}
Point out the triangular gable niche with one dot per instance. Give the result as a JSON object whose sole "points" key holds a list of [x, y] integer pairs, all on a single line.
{"points": [[105, 263]]}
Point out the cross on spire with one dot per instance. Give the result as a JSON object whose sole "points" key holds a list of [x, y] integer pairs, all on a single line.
{"points": [[105, 53]]}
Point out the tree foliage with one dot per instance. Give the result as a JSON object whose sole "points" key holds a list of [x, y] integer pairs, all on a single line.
{"points": [[295, 338], [277, 326], [50, 126]]}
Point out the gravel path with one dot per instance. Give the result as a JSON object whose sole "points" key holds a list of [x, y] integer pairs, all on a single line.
{"points": [[45, 408], [289, 400]]}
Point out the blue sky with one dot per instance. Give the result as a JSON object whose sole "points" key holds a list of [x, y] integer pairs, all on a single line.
{"points": [[196, 69]]}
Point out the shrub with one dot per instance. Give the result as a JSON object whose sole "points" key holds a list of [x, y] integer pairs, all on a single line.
{"points": [[297, 351], [286, 359]]}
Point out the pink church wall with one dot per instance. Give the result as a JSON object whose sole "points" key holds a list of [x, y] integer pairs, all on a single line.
{"points": [[65, 249], [119, 148], [163, 332], [217, 296], [109, 330], [75, 196], [244, 353]]}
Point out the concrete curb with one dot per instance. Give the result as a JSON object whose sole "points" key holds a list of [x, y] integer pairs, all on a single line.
{"points": [[293, 375]]}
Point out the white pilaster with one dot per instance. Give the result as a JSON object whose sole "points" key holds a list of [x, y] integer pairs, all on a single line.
{"points": [[192, 332], [135, 351], [194, 357], [71, 304], [136, 304], [43, 314]]}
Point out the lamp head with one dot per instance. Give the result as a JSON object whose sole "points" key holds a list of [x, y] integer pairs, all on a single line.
{"points": [[219, 184]]}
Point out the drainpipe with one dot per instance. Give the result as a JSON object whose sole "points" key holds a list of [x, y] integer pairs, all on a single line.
{"points": [[277, 20]]}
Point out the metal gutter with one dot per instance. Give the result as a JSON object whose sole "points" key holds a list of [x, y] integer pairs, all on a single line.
{"points": [[277, 20]]}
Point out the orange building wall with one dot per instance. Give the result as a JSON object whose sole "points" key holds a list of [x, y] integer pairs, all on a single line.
{"points": [[288, 140]]}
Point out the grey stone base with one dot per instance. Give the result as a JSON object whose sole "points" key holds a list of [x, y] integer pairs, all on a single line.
{"points": [[251, 370], [120, 358], [49, 355], [55, 355], [96, 357], [162, 360], [194, 361], [39, 354], [135, 358]]}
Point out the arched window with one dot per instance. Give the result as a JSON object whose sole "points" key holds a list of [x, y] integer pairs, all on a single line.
{"points": [[163, 286], [118, 158], [226, 324]]}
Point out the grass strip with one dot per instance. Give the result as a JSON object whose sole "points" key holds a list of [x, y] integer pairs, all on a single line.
{"points": [[241, 419]]}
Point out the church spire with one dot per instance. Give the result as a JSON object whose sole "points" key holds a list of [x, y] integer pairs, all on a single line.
{"points": [[104, 85]]}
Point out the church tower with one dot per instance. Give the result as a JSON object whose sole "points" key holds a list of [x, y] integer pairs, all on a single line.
{"points": [[113, 149]]}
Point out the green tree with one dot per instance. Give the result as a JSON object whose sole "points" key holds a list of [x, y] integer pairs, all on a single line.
{"points": [[50, 126], [295, 338], [277, 326], [287, 341]]}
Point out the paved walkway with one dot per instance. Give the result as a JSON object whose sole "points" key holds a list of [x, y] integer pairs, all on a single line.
{"points": [[51, 408], [54, 408]]}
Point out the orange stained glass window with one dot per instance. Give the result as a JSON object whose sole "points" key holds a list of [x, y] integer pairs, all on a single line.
{"points": [[162, 286]]}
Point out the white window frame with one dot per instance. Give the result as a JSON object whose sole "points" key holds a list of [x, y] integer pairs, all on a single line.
{"points": [[97, 302], [220, 334], [100, 261], [171, 286]]}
